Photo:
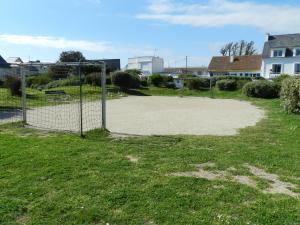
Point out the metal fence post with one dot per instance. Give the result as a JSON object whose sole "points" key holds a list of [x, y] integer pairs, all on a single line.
{"points": [[211, 87], [24, 98], [103, 87], [80, 103]]}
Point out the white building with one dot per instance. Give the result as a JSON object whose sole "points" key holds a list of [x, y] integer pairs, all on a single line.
{"points": [[147, 64], [14, 60], [281, 55]]}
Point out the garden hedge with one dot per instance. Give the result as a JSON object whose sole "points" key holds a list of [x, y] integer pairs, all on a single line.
{"points": [[227, 85], [198, 84], [262, 89], [125, 80], [290, 94]]}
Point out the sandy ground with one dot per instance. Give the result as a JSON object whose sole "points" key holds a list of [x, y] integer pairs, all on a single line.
{"points": [[153, 116]]}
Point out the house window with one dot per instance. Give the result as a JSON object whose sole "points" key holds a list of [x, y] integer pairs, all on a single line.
{"points": [[278, 53], [297, 52], [276, 68], [297, 68]]}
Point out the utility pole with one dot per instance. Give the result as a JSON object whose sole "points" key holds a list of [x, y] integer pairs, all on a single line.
{"points": [[186, 65]]}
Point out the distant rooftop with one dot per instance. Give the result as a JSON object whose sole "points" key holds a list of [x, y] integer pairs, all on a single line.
{"points": [[239, 63]]}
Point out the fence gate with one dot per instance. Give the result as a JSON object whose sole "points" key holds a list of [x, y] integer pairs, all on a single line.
{"points": [[60, 96]]}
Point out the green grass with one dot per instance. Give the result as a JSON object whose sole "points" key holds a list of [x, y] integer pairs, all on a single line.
{"points": [[38, 98], [54, 178]]}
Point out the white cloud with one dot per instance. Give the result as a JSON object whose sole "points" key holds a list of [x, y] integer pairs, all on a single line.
{"points": [[81, 45], [219, 13], [56, 42]]}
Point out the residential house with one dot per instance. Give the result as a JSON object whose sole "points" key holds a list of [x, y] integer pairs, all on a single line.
{"points": [[197, 71], [14, 60], [15, 63], [281, 55], [4, 68], [248, 66], [147, 64]]}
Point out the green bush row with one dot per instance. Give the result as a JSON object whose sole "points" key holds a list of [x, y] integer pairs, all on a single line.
{"points": [[227, 85], [290, 94], [262, 89]]}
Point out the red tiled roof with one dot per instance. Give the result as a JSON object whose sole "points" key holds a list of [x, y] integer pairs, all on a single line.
{"points": [[240, 63]]}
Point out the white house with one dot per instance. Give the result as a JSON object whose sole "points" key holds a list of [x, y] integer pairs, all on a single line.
{"points": [[281, 55], [14, 60], [147, 64]]}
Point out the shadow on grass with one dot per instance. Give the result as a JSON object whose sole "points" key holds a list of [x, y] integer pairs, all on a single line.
{"points": [[135, 92]]}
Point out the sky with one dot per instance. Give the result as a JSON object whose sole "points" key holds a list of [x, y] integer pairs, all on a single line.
{"points": [[172, 29]]}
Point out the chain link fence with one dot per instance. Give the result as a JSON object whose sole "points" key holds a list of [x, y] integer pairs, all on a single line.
{"points": [[59, 96]]}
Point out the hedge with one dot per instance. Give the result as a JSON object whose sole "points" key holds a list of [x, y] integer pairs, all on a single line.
{"points": [[14, 84], [262, 89], [37, 81], [125, 80], [71, 81], [290, 94], [156, 80], [227, 85], [198, 84]]}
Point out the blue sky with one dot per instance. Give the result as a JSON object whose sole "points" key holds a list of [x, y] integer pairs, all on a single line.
{"points": [[171, 29]]}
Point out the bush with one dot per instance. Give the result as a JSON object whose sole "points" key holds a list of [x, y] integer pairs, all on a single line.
{"points": [[227, 85], [72, 81], [156, 80], [281, 78], [14, 84], [125, 80], [198, 84], [290, 94], [262, 89], [93, 79], [1, 83], [236, 78], [38, 81]]}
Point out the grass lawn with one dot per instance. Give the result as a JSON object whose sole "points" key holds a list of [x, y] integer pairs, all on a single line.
{"points": [[54, 178]]}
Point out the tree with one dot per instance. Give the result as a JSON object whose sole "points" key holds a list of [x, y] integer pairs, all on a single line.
{"points": [[238, 48], [71, 56]]}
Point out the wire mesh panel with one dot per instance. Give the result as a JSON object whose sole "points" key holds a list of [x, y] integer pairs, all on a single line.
{"points": [[10, 96], [64, 96]]}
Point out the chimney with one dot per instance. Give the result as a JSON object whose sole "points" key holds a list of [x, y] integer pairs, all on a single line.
{"points": [[267, 37], [231, 59]]}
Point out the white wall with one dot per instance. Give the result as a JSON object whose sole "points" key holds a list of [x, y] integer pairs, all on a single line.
{"points": [[288, 66], [147, 64]]}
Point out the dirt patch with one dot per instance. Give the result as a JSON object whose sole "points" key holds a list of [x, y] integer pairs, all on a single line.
{"points": [[132, 158], [152, 115], [276, 186]]}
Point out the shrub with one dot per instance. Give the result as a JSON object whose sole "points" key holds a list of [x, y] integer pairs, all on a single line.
{"points": [[144, 83], [1, 83], [14, 84], [198, 84], [236, 78], [125, 80], [93, 79], [156, 80], [262, 89], [290, 95], [281, 78], [37, 81], [72, 81], [227, 85], [134, 72]]}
